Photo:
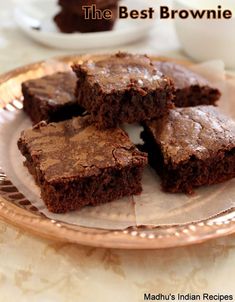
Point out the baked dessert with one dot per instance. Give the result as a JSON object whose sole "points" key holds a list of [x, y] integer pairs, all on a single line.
{"points": [[69, 22], [191, 147], [76, 165], [72, 16], [123, 88], [191, 88], [75, 6], [51, 98]]}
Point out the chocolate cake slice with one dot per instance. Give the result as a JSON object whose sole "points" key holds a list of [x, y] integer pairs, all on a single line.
{"points": [[76, 165], [191, 147], [123, 88], [51, 98], [191, 88]]}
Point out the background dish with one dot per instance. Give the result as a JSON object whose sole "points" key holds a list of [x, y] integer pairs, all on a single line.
{"points": [[193, 34]]}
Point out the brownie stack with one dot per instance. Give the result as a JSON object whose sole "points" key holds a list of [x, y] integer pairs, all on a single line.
{"points": [[72, 19], [88, 160]]}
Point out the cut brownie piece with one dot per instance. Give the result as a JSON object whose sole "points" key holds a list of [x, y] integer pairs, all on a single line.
{"points": [[191, 88], [75, 164], [191, 147], [72, 16], [51, 98], [123, 88], [75, 6], [69, 22]]}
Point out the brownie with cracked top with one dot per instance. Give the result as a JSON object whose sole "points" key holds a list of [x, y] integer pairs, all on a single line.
{"points": [[191, 147], [51, 98], [191, 88], [123, 88], [76, 165]]}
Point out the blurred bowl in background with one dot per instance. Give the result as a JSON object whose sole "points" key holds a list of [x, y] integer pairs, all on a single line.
{"points": [[204, 39]]}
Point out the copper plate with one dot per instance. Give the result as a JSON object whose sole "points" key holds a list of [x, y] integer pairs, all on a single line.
{"points": [[17, 210]]}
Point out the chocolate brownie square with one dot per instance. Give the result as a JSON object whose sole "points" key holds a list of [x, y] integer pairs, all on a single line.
{"points": [[123, 88], [51, 98], [69, 22], [191, 88], [75, 6], [191, 147], [76, 165]]}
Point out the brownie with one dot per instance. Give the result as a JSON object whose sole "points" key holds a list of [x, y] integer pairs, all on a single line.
{"points": [[191, 88], [191, 147], [51, 98], [76, 165], [123, 88], [75, 6], [69, 22]]}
